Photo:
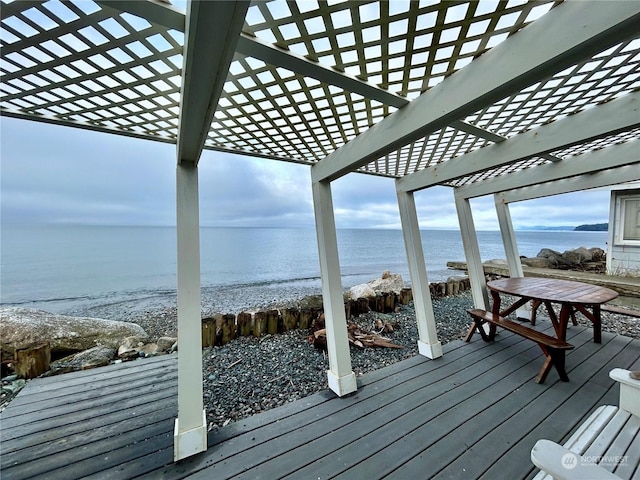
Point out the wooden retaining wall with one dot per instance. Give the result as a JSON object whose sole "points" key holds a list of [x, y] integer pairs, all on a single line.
{"points": [[220, 329]]}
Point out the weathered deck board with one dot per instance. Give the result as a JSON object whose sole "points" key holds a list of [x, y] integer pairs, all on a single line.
{"points": [[475, 413]]}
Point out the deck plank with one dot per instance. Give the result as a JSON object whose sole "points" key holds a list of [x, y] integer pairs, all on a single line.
{"points": [[465, 421], [517, 376], [503, 450], [360, 435], [475, 413], [301, 420]]}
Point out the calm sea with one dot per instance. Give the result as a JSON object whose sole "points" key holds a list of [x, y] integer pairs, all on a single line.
{"points": [[65, 269]]}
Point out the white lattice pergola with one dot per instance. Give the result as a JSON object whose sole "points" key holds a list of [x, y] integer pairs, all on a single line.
{"points": [[515, 98]]}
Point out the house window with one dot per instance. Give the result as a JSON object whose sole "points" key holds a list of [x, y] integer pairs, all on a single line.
{"points": [[629, 224]]}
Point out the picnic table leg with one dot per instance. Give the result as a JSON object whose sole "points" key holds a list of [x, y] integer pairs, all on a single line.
{"points": [[546, 366], [535, 304], [563, 321], [470, 332], [597, 325], [478, 324], [555, 358], [595, 318], [495, 309], [558, 357]]}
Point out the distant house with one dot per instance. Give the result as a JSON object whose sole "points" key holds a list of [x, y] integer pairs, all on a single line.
{"points": [[623, 253]]}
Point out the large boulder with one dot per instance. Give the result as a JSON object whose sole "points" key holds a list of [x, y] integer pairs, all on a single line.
{"points": [[389, 282], [578, 256], [496, 261], [23, 326], [363, 290], [555, 258], [94, 357], [537, 262], [598, 254]]}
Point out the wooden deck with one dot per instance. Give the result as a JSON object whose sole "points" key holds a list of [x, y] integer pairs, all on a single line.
{"points": [[475, 413]]}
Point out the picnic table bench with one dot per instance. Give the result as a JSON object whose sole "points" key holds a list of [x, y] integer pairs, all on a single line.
{"points": [[606, 446], [553, 348]]}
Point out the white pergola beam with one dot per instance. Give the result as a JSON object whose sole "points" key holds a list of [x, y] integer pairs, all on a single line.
{"points": [[586, 166], [605, 178], [588, 163], [510, 245], [268, 53], [256, 48], [211, 36], [210, 39], [494, 137], [155, 11], [607, 119], [81, 125], [546, 46], [509, 239]]}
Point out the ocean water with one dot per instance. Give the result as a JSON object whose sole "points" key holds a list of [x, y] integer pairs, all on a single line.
{"points": [[66, 269]]}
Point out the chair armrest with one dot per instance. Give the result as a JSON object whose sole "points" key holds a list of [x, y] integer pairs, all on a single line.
{"points": [[629, 391], [563, 464]]}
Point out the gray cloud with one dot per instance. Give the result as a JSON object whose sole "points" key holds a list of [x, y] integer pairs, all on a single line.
{"points": [[53, 174]]}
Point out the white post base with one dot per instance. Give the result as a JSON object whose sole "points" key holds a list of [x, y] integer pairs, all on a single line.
{"points": [[431, 351], [342, 385], [190, 442]]}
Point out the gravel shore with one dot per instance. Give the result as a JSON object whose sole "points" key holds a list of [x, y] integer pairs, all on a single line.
{"points": [[250, 375]]}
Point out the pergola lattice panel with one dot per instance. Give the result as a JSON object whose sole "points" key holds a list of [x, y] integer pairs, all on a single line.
{"points": [[84, 64], [405, 47]]}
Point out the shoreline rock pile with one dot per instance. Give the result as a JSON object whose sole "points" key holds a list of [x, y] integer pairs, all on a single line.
{"points": [[73, 343], [581, 259]]}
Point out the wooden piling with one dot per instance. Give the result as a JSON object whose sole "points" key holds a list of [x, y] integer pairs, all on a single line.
{"points": [[272, 321], [245, 325], [225, 328], [208, 332], [32, 360], [290, 318], [307, 316], [259, 323], [389, 302], [406, 295]]}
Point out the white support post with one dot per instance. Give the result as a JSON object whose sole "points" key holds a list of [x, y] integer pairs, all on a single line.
{"points": [[472, 253], [428, 344], [190, 434], [341, 378], [510, 248]]}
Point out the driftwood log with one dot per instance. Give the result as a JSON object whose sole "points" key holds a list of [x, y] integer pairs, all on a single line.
{"points": [[357, 336]]}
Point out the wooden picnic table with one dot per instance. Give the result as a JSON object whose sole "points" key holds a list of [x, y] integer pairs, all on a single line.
{"points": [[571, 296]]}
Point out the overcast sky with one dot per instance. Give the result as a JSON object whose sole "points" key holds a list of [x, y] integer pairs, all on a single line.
{"points": [[61, 175]]}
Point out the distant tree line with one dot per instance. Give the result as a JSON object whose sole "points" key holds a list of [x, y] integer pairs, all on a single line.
{"points": [[596, 227]]}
